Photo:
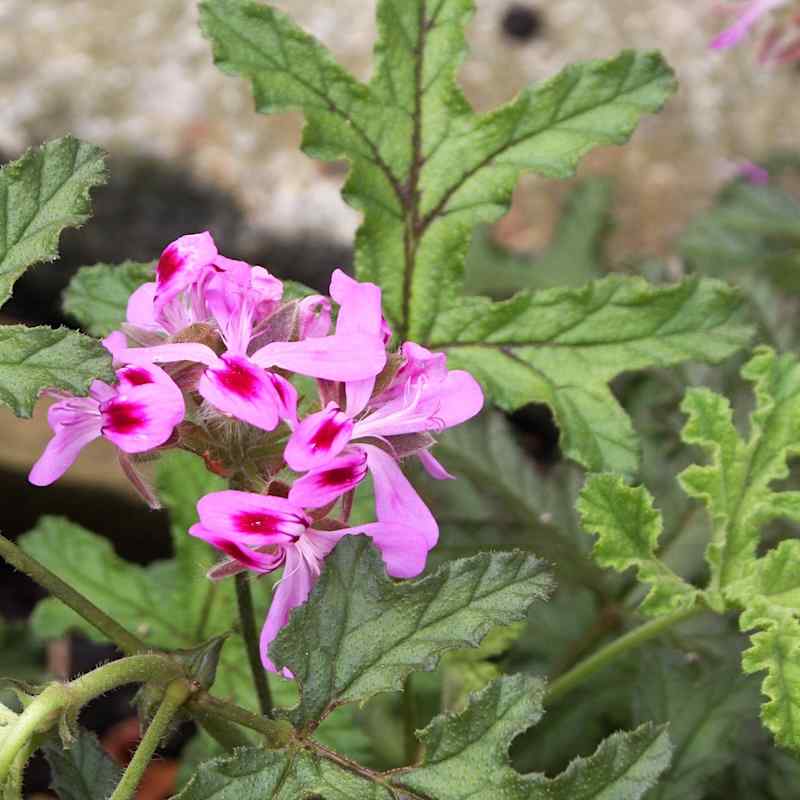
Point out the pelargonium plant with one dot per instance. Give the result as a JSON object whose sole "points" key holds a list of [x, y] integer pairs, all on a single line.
{"points": [[777, 21], [349, 506]]}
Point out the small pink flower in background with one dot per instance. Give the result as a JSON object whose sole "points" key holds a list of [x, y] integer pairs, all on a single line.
{"points": [[752, 173], [749, 13], [780, 43], [138, 414], [263, 533]]}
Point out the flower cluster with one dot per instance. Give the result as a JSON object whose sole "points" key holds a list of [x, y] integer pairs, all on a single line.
{"points": [[780, 43], [236, 387]]}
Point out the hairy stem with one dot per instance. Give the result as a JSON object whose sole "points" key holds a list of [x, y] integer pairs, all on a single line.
{"points": [[247, 617], [177, 693], [122, 637], [606, 655]]}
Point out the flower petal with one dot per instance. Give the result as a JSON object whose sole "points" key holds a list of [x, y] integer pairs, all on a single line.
{"points": [[143, 417], [140, 310], [247, 516], [180, 265], [396, 500], [433, 467], [167, 353], [314, 316], [292, 590], [240, 553], [75, 423], [338, 358], [359, 305], [404, 549], [318, 438], [237, 387], [321, 486]]}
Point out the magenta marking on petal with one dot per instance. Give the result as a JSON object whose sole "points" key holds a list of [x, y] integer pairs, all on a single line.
{"points": [[341, 476], [237, 378], [123, 417], [260, 522], [169, 263], [137, 376], [326, 434]]}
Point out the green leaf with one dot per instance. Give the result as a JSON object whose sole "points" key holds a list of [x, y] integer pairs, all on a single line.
{"points": [[425, 167], [132, 594], [97, 296], [562, 347], [574, 257], [346, 652], [294, 774], [33, 359], [735, 486], [42, 193], [84, 772], [705, 707], [777, 650], [466, 755], [501, 497], [628, 528]]}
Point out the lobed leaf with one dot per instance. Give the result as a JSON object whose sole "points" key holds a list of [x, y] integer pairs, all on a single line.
{"points": [[426, 169], [97, 296], [34, 359], [360, 633], [42, 193], [467, 755], [628, 528], [279, 775], [562, 347], [84, 772], [735, 486], [777, 650]]}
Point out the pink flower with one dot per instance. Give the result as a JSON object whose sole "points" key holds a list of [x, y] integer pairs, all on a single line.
{"points": [[137, 414], [749, 14], [263, 533], [238, 382], [752, 173], [335, 449]]}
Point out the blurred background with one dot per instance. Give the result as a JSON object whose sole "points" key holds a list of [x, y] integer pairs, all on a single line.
{"points": [[188, 153]]}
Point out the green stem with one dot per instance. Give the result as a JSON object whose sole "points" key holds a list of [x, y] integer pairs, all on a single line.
{"points": [[247, 616], [277, 733], [606, 655], [122, 637], [177, 693], [226, 734]]}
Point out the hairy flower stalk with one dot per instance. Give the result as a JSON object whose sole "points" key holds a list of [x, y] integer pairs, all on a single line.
{"points": [[231, 350]]}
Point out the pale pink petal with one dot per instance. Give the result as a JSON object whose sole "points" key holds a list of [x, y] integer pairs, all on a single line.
{"points": [[238, 387], [314, 314], [286, 397], [181, 264], [318, 438], [114, 342], [321, 486], [292, 590], [140, 307], [338, 358], [358, 394], [143, 417], [404, 549], [459, 398], [396, 500], [167, 353], [75, 423], [433, 467], [359, 306], [247, 516]]}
